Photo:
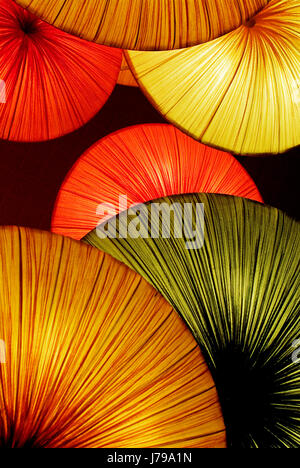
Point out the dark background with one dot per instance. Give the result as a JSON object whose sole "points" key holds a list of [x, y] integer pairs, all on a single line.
{"points": [[31, 174]]}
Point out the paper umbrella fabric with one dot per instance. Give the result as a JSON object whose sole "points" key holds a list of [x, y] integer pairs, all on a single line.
{"points": [[145, 25], [94, 356], [239, 92], [142, 163], [54, 82]]}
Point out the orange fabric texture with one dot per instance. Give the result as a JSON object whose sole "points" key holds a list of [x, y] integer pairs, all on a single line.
{"points": [[145, 24], [144, 163], [95, 357], [55, 82], [126, 77]]}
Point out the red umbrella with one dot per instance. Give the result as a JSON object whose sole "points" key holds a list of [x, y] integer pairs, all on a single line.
{"points": [[55, 82]]}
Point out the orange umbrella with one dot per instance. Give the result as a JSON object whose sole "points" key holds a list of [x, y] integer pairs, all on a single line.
{"points": [[54, 82], [94, 357], [145, 24], [144, 162]]}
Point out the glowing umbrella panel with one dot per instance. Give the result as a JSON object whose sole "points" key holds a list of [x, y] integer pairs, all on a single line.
{"points": [[142, 163], [54, 82], [239, 92], [145, 25], [94, 356]]}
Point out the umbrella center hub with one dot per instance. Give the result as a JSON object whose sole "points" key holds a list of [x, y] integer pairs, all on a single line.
{"points": [[29, 26], [250, 23]]}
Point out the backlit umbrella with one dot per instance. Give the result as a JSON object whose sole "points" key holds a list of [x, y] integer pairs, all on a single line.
{"points": [[94, 357], [145, 25], [239, 92], [142, 163], [55, 82]]}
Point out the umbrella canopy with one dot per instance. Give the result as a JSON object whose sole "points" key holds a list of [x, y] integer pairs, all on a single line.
{"points": [[94, 356], [142, 163], [145, 25], [239, 92], [54, 82], [238, 289]]}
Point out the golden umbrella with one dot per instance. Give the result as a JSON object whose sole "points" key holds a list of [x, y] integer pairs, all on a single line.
{"points": [[145, 24], [240, 92], [94, 356], [239, 292]]}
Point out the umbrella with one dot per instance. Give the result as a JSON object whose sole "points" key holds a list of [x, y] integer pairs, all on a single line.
{"points": [[239, 92], [144, 25], [54, 82], [94, 356], [142, 163], [233, 275]]}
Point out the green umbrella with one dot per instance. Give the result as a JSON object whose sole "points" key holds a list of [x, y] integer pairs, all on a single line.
{"points": [[239, 293]]}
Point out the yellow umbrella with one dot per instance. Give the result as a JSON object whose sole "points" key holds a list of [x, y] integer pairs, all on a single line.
{"points": [[239, 92], [145, 24], [92, 356]]}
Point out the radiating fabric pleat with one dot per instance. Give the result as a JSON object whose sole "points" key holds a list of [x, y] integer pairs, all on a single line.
{"points": [[55, 82], [239, 92], [146, 24], [95, 357]]}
